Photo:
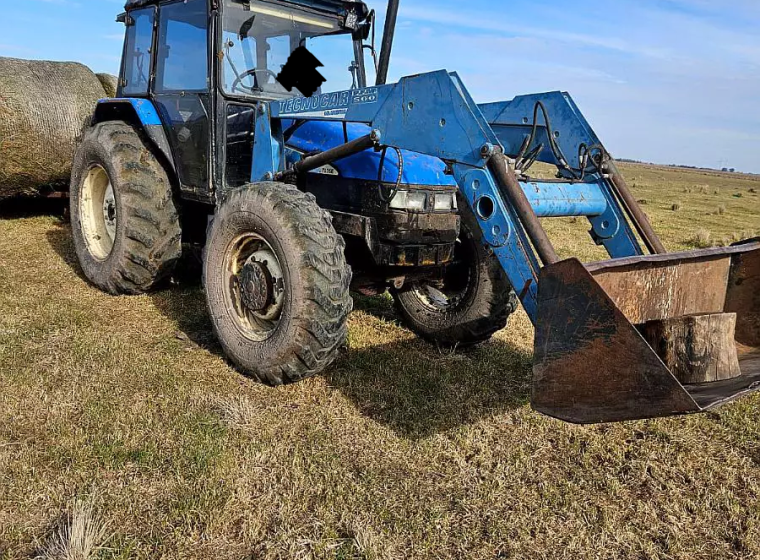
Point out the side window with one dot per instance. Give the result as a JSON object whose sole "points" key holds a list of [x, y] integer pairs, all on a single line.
{"points": [[137, 52], [183, 47]]}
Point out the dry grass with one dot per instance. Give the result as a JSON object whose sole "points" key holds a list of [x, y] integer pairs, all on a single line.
{"points": [[399, 451], [79, 536], [702, 239]]}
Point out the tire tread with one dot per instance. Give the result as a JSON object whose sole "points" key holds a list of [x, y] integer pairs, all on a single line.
{"points": [[151, 242], [321, 330]]}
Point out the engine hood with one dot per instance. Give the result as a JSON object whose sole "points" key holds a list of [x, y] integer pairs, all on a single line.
{"points": [[318, 136]]}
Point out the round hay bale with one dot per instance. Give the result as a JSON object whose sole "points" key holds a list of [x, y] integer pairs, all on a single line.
{"points": [[44, 108], [109, 83]]}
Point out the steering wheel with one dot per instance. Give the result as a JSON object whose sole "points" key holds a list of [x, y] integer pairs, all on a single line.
{"points": [[251, 72]]}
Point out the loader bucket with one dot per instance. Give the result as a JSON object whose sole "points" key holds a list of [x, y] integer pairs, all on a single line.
{"points": [[593, 365]]}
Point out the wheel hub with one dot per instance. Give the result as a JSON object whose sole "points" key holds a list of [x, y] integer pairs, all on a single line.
{"points": [[256, 286], [109, 211]]}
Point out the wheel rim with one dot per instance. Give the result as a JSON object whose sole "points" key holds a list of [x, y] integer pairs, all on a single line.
{"points": [[98, 213], [254, 286]]}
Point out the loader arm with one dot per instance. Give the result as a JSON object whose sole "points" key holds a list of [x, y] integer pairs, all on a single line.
{"points": [[591, 362], [434, 114]]}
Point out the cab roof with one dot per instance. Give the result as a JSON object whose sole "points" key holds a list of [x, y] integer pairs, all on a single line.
{"points": [[332, 6]]}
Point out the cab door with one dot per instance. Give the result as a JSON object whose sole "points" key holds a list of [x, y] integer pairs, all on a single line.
{"points": [[182, 90]]}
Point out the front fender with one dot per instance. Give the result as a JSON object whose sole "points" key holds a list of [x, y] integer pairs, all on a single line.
{"points": [[142, 115]]}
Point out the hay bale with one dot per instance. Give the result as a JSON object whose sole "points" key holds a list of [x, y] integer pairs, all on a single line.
{"points": [[44, 108], [109, 83]]}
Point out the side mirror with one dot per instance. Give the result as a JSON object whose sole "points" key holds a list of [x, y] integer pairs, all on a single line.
{"points": [[245, 29]]}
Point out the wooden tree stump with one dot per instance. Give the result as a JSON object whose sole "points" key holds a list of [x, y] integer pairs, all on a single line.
{"points": [[696, 348]]}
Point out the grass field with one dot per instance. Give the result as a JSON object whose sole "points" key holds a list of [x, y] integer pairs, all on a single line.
{"points": [[121, 413]]}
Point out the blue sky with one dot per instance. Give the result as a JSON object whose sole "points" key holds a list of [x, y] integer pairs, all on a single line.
{"points": [[669, 81]]}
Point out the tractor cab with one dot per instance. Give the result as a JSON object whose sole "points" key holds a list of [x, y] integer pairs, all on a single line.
{"points": [[203, 63], [252, 39]]}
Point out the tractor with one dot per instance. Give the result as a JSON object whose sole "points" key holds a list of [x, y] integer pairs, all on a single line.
{"points": [[412, 188]]}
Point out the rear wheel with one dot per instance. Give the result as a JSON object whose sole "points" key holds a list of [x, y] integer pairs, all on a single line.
{"points": [[277, 283], [472, 302], [125, 226]]}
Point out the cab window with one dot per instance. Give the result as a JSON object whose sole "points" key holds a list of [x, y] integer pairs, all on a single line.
{"points": [[137, 52], [183, 47], [258, 38]]}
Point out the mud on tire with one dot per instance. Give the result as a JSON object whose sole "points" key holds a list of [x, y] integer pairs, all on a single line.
{"points": [[295, 327], [146, 238]]}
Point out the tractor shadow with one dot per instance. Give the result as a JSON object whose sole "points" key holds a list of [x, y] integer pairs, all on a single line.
{"points": [[408, 385], [31, 207], [419, 390], [185, 305]]}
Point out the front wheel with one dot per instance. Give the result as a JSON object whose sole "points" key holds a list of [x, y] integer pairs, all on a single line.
{"points": [[469, 305], [277, 283]]}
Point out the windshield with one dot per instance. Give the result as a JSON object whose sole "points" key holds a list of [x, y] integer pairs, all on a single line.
{"points": [[258, 38]]}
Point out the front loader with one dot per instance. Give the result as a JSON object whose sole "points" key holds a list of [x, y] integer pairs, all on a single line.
{"points": [[411, 187]]}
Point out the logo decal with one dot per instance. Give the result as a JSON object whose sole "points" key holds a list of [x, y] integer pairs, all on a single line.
{"points": [[328, 104], [327, 170]]}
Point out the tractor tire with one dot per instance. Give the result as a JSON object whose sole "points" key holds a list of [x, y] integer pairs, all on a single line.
{"points": [[277, 283], [125, 225], [472, 303]]}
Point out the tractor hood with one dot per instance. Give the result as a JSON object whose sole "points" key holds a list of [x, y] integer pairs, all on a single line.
{"points": [[318, 136]]}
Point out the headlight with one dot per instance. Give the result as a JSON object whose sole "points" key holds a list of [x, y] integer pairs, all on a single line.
{"points": [[399, 201], [405, 200], [445, 202], [416, 201]]}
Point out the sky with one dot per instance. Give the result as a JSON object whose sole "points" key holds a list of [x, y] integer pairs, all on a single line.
{"points": [[665, 81]]}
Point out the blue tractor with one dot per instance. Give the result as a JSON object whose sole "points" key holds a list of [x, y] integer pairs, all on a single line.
{"points": [[409, 187]]}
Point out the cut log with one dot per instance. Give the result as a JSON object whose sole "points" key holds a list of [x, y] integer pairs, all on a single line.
{"points": [[696, 348]]}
